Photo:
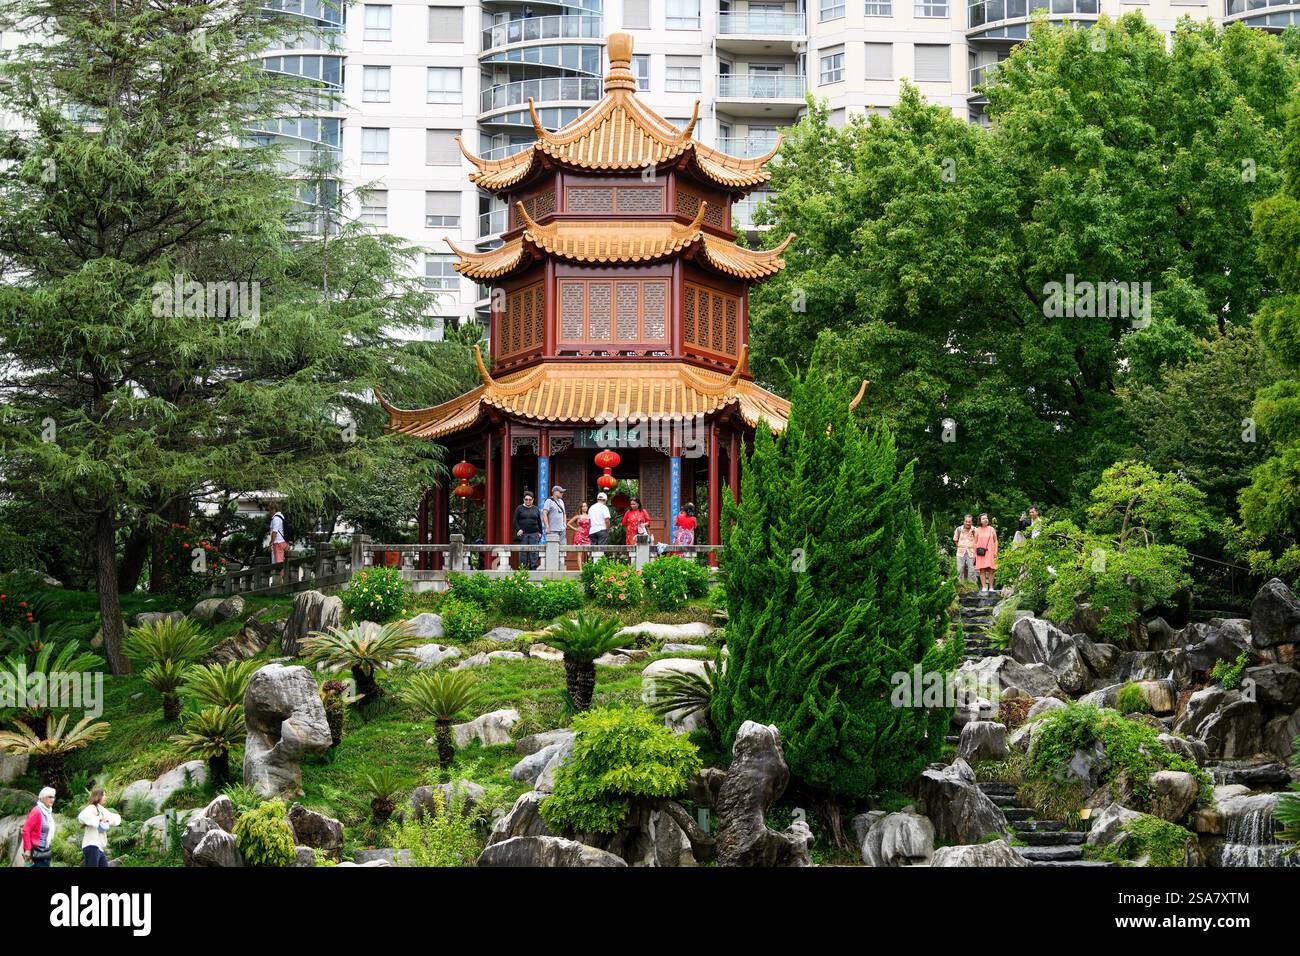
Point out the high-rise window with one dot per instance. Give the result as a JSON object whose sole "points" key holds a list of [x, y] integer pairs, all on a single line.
{"points": [[446, 24], [636, 14], [374, 207], [682, 74], [440, 147], [880, 8], [378, 22], [832, 10], [932, 63], [444, 84], [374, 146], [641, 67], [375, 84], [441, 210], [440, 271], [683, 14], [832, 66], [931, 8], [880, 61]]}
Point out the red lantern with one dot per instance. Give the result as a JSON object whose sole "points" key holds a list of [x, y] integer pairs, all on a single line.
{"points": [[464, 471], [606, 482], [480, 492], [463, 490], [621, 501], [608, 460]]}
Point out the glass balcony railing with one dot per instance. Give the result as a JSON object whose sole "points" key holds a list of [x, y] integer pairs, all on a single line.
{"points": [[743, 212], [982, 74], [493, 223], [994, 11], [761, 23], [584, 89], [542, 28], [1236, 7], [762, 86], [323, 12], [746, 147], [501, 152]]}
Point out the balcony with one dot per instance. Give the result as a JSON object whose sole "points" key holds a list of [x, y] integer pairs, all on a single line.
{"points": [[760, 31], [562, 27], [501, 152], [768, 95], [493, 223], [551, 89], [743, 211], [1009, 19], [746, 147], [983, 73], [323, 13], [1271, 15]]}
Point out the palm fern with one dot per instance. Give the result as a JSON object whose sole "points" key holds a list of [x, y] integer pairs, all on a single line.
{"points": [[1287, 811], [209, 734], [47, 657], [166, 649], [30, 638], [166, 677], [335, 696], [443, 695], [363, 649], [219, 685], [382, 785], [687, 693], [583, 640], [49, 751]]}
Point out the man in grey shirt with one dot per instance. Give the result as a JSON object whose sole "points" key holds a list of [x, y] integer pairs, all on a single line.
{"points": [[554, 517]]}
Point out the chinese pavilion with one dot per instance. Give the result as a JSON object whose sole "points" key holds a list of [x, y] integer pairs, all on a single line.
{"points": [[619, 319]]}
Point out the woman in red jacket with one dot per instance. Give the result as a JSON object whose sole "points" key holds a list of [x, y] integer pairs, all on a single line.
{"points": [[635, 520], [38, 830]]}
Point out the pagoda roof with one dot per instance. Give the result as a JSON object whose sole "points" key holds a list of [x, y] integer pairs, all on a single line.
{"points": [[619, 241], [619, 134], [595, 393]]}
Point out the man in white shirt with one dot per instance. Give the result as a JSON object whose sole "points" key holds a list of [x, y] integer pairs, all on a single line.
{"points": [[599, 515], [278, 543]]}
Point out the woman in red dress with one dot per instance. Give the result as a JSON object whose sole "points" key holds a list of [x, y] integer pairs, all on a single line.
{"points": [[684, 533], [634, 520], [580, 525]]}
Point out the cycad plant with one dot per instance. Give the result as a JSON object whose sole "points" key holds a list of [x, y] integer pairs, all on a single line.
{"points": [[443, 695], [335, 696], [686, 693], [382, 785], [209, 734], [166, 649], [363, 648], [41, 656], [583, 640], [219, 685], [50, 751]]}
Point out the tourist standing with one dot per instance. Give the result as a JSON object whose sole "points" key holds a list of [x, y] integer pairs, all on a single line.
{"points": [[96, 820], [1035, 524], [38, 830], [599, 515], [279, 543], [684, 532], [528, 529], [554, 517], [580, 525], [986, 553], [636, 520], [964, 538]]}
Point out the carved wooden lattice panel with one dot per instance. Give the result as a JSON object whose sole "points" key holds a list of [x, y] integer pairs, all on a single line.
{"points": [[543, 204], [591, 199], [628, 309], [688, 315], [654, 312], [731, 334], [711, 320], [535, 316], [688, 204], [715, 326], [572, 308], [654, 491], [642, 199], [600, 311]]}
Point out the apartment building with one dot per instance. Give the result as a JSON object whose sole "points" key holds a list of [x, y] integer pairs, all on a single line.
{"points": [[401, 80]]}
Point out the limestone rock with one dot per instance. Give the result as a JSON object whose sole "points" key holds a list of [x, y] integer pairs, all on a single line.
{"points": [[531, 767], [431, 655], [193, 773], [1280, 734], [1186, 747], [545, 851], [692, 630], [675, 648], [535, 742], [145, 618], [899, 839], [304, 857], [680, 665], [217, 848], [477, 660], [1044, 705], [384, 856], [524, 819], [312, 611], [960, 811], [427, 625], [993, 853], [983, 740], [544, 652], [425, 799], [285, 720], [12, 766], [756, 778], [316, 830], [1172, 794], [1274, 616], [505, 655], [1106, 828], [1008, 678], [503, 635], [489, 729], [216, 610], [613, 660], [1275, 686]]}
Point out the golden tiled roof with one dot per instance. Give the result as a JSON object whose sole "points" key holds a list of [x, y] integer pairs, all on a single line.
{"points": [[595, 393], [634, 240], [619, 133]]}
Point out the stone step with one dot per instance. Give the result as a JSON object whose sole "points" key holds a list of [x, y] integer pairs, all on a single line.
{"points": [[1072, 863], [1007, 801], [1017, 814], [997, 786], [1050, 853], [1052, 837], [1037, 826], [953, 739]]}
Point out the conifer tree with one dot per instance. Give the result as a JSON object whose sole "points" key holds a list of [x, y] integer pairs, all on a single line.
{"points": [[834, 587]]}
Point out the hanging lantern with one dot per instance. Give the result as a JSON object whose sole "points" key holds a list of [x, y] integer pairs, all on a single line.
{"points": [[464, 471], [609, 460], [480, 492], [606, 482], [463, 490]]}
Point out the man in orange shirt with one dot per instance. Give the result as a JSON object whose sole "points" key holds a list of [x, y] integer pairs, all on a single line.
{"points": [[964, 538]]}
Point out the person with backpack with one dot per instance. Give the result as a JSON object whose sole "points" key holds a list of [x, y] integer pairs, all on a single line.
{"points": [[279, 537], [555, 518]]}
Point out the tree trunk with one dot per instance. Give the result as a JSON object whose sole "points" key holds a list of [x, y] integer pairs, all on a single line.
{"points": [[446, 749], [50, 771], [580, 676], [133, 557], [366, 685], [219, 768], [171, 707], [829, 811], [110, 605]]}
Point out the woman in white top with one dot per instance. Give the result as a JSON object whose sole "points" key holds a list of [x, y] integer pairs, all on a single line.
{"points": [[95, 822]]}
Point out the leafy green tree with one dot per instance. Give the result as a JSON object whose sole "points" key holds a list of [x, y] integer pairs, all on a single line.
{"points": [[128, 173], [833, 587]]}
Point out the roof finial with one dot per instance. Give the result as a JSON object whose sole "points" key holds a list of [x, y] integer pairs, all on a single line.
{"points": [[620, 75]]}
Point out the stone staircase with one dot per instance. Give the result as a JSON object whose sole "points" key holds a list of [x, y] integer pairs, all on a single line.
{"points": [[974, 622], [1047, 842]]}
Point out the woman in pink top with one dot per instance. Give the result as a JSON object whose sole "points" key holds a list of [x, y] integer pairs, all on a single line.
{"points": [[986, 553]]}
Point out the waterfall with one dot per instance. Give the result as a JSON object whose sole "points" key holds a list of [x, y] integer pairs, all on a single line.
{"points": [[1251, 839]]}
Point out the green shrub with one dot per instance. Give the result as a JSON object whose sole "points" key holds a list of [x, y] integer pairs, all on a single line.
{"points": [[619, 755], [617, 585], [670, 581], [1163, 843], [1131, 700], [515, 596], [242, 796], [478, 589], [1000, 634], [557, 597], [375, 594], [264, 836], [462, 621], [1229, 675], [444, 837], [591, 568]]}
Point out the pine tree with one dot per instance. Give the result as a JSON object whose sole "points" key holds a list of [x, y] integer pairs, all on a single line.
{"points": [[833, 588]]}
